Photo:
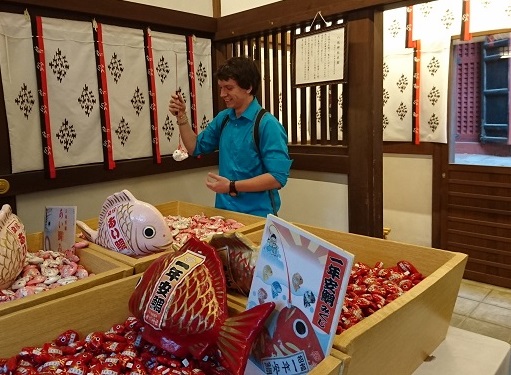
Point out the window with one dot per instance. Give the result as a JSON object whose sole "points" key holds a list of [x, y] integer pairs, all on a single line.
{"points": [[482, 131]]}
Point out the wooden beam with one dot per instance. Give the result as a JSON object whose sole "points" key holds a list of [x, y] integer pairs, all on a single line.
{"points": [[364, 116], [288, 12], [30, 182], [125, 10], [320, 163], [217, 8]]}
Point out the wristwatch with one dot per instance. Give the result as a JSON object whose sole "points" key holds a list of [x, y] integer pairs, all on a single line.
{"points": [[232, 189]]}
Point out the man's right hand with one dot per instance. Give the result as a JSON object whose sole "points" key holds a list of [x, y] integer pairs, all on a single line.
{"points": [[177, 105]]}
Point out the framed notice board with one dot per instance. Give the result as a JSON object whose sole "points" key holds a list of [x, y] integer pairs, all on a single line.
{"points": [[319, 57]]}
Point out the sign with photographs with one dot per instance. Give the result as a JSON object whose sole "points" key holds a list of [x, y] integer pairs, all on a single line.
{"points": [[306, 277]]}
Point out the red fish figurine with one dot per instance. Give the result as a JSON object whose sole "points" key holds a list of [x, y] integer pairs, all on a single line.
{"points": [[181, 298], [293, 333], [239, 256]]}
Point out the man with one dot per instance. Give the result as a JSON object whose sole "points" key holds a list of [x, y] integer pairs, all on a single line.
{"points": [[249, 176]]}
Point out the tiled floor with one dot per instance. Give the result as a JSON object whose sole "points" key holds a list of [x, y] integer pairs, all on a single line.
{"points": [[484, 309], [488, 160]]}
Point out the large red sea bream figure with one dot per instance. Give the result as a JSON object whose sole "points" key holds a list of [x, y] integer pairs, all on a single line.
{"points": [[181, 298]]}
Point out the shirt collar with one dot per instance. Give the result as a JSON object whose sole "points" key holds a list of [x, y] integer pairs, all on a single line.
{"points": [[250, 113]]}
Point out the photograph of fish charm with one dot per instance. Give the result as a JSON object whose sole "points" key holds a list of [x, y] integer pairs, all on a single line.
{"points": [[129, 226]]}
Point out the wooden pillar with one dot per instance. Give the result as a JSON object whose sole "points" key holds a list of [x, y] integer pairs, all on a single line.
{"points": [[217, 8], [364, 117]]}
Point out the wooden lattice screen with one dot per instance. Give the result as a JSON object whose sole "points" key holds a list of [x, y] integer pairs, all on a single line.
{"points": [[312, 115], [468, 92]]}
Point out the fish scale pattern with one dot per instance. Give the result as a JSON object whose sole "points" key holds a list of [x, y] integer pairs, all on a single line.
{"points": [[188, 313]]}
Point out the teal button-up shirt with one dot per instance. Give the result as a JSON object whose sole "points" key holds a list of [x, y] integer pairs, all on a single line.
{"points": [[239, 159]]}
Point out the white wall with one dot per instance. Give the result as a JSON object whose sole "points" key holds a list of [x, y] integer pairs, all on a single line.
{"points": [[185, 186], [407, 198], [200, 7], [205, 7], [309, 198], [236, 6], [319, 199]]}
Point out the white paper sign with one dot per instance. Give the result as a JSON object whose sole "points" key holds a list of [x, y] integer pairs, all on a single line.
{"points": [[319, 56], [59, 228]]}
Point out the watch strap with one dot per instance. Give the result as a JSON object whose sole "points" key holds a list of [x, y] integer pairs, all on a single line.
{"points": [[232, 188]]}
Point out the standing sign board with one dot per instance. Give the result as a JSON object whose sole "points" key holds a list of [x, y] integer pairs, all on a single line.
{"points": [[307, 279], [59, 228]]}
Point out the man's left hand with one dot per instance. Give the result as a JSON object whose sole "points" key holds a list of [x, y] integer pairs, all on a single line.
{"points": [[217, 183]]}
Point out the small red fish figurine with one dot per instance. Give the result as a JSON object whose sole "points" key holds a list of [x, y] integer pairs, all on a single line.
{"points": [[181, 298], [239, 256], [293, 333], [129, 226]]}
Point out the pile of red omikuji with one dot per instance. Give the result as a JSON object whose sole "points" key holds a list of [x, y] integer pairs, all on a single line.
{"points": [[120, 350], [371, 288]]}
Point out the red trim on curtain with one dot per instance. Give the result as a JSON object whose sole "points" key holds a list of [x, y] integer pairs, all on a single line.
{"points": [[103, 93], [416, 92], [153, 105], [191, 79], [465, 21], [409, 43], [44, 106]]}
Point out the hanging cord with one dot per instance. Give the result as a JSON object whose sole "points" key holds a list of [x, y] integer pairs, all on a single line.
{"points": [[315, 17]]}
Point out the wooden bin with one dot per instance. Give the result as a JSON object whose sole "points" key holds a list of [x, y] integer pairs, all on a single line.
{"points": [[400, 336], [95, 309], [183, 209], [105, 269]]}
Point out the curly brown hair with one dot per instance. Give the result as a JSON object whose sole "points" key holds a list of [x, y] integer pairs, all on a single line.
{"points": [[243, 70]]}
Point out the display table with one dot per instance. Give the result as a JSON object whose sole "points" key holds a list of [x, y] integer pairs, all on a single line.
{"points": [[467, 353]]}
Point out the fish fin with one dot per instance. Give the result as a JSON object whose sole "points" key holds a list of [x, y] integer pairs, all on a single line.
{"points": [[237, 335], [114, 199], [198, 350], [90, 234], [5, 214]]}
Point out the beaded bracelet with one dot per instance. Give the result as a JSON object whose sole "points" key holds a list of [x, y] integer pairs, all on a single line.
{"points": [[183, 120]]}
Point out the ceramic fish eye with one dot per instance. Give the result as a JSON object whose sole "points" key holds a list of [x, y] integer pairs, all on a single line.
{"points": [[149, 232], [300, 328]]}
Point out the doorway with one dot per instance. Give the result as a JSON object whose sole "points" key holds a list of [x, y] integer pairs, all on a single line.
{"points": [[475, 208]]}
